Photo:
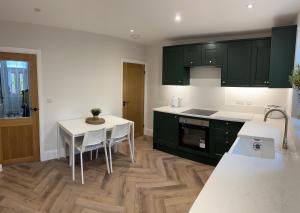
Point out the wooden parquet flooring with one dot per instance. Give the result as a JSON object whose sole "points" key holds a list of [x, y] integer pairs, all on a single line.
{"points": [[157, 182]]}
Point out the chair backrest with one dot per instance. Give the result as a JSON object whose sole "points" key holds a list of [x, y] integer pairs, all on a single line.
{"points": [[120, 131], [94, 137]]}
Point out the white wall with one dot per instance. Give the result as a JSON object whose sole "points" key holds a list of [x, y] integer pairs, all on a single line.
{"points": [[205, 91], [78, 71]]}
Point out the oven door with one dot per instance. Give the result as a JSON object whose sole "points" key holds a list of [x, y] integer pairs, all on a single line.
{"points": [[194, 136]]}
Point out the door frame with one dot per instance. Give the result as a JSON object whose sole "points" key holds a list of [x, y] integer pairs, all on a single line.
{"points": [[134, 61], [38, 54]]}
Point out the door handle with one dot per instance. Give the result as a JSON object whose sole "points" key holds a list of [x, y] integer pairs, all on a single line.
{"points": [[125, 102], [35, 109]]}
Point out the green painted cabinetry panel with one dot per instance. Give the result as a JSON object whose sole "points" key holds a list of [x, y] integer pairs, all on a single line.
{"points": [[166, 129], [237, 68], [260, 64], [192, 55], [282, 56], [174, 72], [209, 54]]}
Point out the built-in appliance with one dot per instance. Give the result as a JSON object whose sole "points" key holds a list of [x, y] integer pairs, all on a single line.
{"points": [[194, 133], [200, 112]]}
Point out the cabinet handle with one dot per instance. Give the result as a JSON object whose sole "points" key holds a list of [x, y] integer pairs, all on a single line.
{"points": [[179, 81], [267, 82], [210, 62], [191, 62], [226, 142], [226, 133], [227, 123], [223, 82]]}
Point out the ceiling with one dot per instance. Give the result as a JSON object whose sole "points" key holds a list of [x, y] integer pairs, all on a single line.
{"points": [[153, 20]]}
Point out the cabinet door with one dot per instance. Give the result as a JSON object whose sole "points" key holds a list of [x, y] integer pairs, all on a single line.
{"points": [[193, 55], [209, 54], [237, 69], [260, 62], [174, 72], [166, 129], [282, 56]]}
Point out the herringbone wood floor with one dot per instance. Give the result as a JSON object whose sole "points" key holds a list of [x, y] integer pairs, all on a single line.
{"points": [[157, 182]]}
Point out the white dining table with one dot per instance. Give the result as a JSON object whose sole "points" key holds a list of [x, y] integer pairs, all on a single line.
{"points": [[78, 127]]}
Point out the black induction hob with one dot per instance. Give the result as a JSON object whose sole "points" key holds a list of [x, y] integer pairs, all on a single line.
{"points": [[200, 112]]}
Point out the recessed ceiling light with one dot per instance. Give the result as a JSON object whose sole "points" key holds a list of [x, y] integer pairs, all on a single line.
{"points": [[177, 17], [131, 30], [37, 9], [250, 6], [135, 36]]}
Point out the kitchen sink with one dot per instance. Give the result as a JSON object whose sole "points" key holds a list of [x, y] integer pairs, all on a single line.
{"points": [[254, 147]]}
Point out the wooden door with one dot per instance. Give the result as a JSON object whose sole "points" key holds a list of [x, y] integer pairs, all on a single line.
{"points": [[19, 129], [133, 95]]}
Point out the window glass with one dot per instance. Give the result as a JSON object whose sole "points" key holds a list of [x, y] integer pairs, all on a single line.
{"points": [[12, 82], [21, 80]]}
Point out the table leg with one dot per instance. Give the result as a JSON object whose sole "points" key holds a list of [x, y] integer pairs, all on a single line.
{"points": [[73, 157], [132, 139]]}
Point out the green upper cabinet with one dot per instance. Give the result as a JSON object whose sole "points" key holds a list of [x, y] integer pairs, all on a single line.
{"points": [[260, 64], [209, 54], [282, 56], [174, 72], [192, 55], [236, 69]]}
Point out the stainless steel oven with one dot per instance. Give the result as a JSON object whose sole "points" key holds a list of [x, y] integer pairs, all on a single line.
{"points": [[194, 133]]}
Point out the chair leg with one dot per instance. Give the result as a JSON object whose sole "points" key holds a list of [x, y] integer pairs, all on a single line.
{"points": [[130, 149], [81, 165], [110, 158], [91, 155], [97, 154], [106, 159]]}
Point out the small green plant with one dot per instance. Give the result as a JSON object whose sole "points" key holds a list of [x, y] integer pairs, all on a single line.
{"points": [[295, 77], [96, 111]]}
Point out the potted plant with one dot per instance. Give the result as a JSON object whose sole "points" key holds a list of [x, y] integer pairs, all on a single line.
{"points": [[95, 112], [295, 78]]}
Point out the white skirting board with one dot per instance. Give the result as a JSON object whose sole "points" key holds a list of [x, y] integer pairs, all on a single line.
{"points": [[52, 154], [148, 132], [1, 169]]}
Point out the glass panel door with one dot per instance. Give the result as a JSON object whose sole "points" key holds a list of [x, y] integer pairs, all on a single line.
{"points": [[14, 90]]}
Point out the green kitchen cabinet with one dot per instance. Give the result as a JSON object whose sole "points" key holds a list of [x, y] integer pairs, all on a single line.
{"points": [[193, 55], [222, 135], [260, 62], [209, 54], [236, 70], [166, 129], [174, 72], [282, 56]]}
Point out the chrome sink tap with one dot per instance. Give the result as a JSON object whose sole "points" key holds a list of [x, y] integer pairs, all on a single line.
{"points": [[284, 143]]}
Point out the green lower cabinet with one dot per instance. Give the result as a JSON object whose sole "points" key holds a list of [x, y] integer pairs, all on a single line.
{"points": [[222, 136], [166, 137], [166, 129]]}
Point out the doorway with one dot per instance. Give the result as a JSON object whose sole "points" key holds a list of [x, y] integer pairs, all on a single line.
{"points": [[19, 115], [133, 95]]}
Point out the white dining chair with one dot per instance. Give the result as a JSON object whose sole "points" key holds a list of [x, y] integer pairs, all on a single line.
{"points": [[92, 140], [120, 134]]}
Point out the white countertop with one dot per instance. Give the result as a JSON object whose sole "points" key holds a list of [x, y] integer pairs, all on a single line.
{"points": [[242, 184], [220, 115]]}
